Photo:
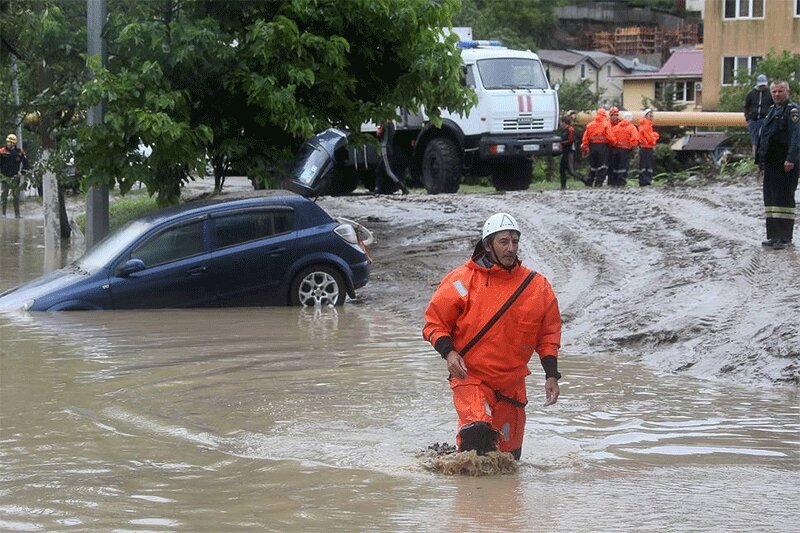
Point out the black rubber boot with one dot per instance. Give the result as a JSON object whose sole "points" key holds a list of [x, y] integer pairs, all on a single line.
{"points": [[478, 436]]}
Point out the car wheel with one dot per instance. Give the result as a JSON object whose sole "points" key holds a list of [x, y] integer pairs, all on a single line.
{"points": [[318, 285]]}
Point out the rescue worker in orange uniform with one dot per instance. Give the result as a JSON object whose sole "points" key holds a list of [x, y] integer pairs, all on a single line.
{"points": [[626, 139], [597, 140], [647, 140], [487, 371]]}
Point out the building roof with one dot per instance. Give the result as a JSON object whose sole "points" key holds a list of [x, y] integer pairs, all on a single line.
{"points": [[681, 64], [570, 58], [702, 142]]}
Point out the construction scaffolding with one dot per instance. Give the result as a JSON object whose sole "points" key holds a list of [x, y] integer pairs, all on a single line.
{"points": [[635, 40]]}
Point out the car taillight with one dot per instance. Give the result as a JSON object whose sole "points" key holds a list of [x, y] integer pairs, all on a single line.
{"points": [[348, 233]]}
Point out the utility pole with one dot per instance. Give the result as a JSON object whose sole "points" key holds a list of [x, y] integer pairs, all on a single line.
{"points": [[97, 198], [15, 85]]}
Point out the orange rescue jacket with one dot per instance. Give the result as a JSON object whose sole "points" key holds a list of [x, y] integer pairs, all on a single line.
{"points": [[626, 135], [598, 131], [469, 296], [648, 137]]}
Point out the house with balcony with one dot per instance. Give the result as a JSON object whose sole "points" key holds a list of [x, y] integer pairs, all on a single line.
{"points": [[681, 75], [738, 34], [604, 71]]}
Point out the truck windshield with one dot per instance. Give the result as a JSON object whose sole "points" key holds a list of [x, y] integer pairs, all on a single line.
{"points": [[512, 73]]}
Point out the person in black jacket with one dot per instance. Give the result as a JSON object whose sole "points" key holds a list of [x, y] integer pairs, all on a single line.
{"points": [[567, 166], [756, 106], [12, 162]]}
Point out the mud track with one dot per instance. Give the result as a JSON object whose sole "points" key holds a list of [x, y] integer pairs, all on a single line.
{"points": [[673, 277]]}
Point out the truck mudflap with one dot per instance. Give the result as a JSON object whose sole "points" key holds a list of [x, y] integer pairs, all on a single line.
{"points": [[502, 146]]}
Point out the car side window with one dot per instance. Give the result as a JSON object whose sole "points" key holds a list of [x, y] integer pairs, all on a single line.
{"points": [[171, 244], [252, 225]]}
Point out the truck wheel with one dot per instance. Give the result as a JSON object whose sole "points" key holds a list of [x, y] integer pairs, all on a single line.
{"points": [[513, 175], [441, 167]]}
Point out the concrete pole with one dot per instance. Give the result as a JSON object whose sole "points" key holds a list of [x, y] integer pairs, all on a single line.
{"points": [[97, 198], [15, 85]]}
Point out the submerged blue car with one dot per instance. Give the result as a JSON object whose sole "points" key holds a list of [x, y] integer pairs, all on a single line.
{"points": [[276, 249]]}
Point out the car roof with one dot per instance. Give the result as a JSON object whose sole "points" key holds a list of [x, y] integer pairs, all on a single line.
{"points": [[214, 205]]}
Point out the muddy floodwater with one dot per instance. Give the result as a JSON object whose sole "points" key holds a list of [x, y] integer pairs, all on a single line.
{"points": [[291, 419]]}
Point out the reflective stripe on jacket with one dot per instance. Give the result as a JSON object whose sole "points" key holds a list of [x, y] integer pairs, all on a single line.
{"points": [[469, 296], [598, 131], [648, 137]]}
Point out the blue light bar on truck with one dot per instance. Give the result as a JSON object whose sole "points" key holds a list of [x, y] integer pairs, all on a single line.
{"points": [[477, 44]]}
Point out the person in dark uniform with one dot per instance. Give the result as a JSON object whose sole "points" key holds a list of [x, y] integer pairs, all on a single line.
{"points": [[12, 162], [778, 155], [567, 165]]}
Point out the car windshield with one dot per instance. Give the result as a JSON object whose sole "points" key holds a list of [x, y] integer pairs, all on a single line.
{"points": [[310, 161], [512, 73], [107, 249]]}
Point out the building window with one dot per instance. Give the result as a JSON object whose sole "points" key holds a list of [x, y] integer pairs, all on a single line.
{"points": [[744, 9], [735, 67], [682, 91], [608, 71], [583, 71], [797, 8]]}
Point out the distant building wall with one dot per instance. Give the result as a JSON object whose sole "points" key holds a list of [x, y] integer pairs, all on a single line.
{"points": [[635, 90], [778, 29]]}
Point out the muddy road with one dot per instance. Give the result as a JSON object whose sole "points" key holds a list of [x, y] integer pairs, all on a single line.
{"points": [[674, 277]]}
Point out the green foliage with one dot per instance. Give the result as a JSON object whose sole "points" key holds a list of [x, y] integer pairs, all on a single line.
{"points": [[578, 96], [783, 66], [745, 167], [243, 83], [123, 210], [47, 38], [522, 24]]}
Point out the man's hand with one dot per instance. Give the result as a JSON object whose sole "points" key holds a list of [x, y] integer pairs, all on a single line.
{"points": [[550, 390], [584, 150], [788, 166], [455, 365]]}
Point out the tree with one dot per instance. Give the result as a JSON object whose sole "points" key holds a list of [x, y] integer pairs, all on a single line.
{"points": [[245, 82], [784, 66], [578, 96], [520, 24], [47, 38]]}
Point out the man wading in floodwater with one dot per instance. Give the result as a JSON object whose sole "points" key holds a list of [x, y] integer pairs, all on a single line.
{"points": [[486, 318]]}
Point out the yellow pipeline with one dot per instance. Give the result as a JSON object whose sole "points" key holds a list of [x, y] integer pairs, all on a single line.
{"points": [[680, 118]]}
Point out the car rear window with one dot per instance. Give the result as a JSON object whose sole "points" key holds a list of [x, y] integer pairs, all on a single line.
{"points": [[252, 225]]}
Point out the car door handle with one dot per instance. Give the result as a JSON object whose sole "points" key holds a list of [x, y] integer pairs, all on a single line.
{"points": [[198, 270], [276, 251]]}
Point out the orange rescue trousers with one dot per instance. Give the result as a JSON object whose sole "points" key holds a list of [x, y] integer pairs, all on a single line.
{"points": [[502, 410]]}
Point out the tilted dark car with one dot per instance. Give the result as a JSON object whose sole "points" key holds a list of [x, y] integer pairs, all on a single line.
{"points": [[276, 249]]}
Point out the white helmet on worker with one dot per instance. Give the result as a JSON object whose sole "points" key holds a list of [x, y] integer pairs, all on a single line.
{"points": [[11, 138], [499, 222]]}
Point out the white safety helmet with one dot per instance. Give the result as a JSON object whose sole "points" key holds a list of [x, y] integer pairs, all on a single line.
{"points": [[499, 222]]}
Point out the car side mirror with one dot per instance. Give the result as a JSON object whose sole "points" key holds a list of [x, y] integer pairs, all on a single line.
{"points": [[556, 87], [131, 266]]}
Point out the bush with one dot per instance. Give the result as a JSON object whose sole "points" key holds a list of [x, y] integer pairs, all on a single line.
{"points": [[123, 210]]}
